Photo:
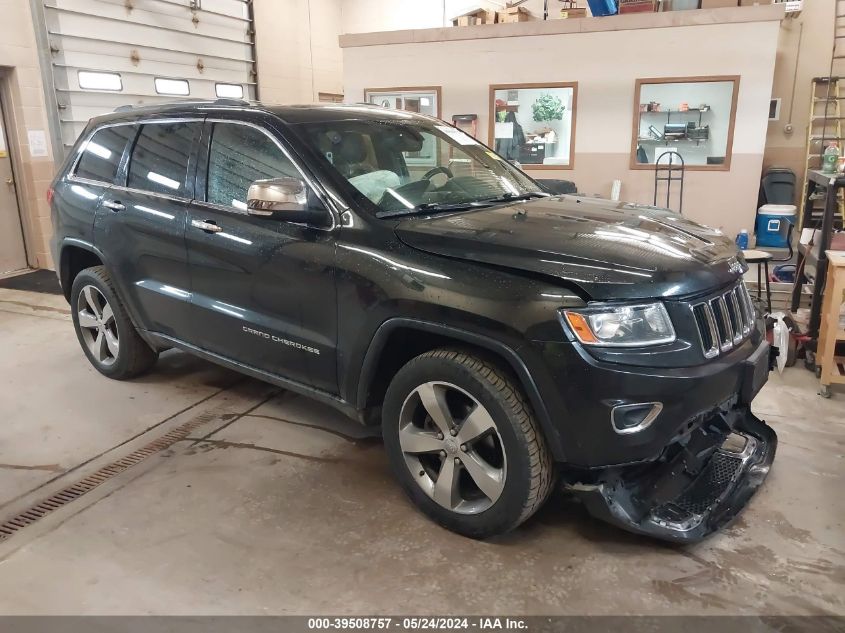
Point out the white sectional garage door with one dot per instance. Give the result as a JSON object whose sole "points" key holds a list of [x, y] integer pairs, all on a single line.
{"points": [[111, 53]]}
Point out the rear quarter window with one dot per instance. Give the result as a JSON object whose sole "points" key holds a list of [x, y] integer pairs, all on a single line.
{"points": [[102, 152]]}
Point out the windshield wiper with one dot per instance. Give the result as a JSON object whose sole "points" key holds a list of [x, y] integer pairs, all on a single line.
{"points": [[514, 197], [427, 207], [462, 206]]}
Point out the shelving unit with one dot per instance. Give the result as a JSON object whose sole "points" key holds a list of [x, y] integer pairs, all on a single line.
{"points": [[668, 114]]}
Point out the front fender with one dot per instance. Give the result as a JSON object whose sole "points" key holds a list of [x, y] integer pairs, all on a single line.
{"points": [[505, 352]]}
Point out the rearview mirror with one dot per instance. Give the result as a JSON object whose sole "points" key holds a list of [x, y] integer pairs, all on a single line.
{"points": [[283, 199]]}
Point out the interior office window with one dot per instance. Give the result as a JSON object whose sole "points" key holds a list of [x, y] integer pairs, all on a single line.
{"points": [[159, 161], [422, 100], [101, 155], [92, 80], [166, 86], [691, 116], [239, 155], [534, 124]]}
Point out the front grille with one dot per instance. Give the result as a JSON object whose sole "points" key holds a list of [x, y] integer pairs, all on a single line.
{"points": [[711, 485], [724, 321]]}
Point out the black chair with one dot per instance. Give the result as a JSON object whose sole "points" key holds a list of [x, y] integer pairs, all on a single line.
{"points": [[777, 186], [762, 258]]}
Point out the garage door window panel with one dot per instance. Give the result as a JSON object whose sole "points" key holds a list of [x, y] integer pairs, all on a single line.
{"points": [[92, 80], [165, 86], [101, 156], [240, 155], [159, 162]]}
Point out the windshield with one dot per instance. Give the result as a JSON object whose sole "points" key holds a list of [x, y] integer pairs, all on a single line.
{"points": [[414, 165]]}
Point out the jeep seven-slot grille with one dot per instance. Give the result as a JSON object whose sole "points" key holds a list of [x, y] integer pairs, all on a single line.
{"points": [[724, 321]]}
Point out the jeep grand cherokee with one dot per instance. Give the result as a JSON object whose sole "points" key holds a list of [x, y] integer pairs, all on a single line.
{"points": [[392, 266]]}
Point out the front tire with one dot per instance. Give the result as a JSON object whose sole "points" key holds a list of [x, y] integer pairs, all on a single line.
{"points": [[463, 443], [105, 332]]}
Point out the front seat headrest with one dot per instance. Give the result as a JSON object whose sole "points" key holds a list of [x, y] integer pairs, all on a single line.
{"points": [[352, 148]]}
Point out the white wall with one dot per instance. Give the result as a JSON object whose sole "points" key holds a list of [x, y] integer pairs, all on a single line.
{"points": [[297, 49], [367, 16], [605, 65]]}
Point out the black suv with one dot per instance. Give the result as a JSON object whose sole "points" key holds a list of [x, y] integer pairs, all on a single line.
{"points": [[390, 265]]}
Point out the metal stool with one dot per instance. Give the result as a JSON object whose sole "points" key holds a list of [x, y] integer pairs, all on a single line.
{"points": [[762, 259]]}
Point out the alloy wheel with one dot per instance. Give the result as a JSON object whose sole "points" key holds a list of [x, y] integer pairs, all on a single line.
{"points": [[97, 325], [452, 447]]}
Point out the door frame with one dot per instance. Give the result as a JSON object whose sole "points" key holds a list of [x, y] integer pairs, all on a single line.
{"points": [[7, 106]]}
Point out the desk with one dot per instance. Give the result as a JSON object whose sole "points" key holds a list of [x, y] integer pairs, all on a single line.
{"points": [[831, 183]]}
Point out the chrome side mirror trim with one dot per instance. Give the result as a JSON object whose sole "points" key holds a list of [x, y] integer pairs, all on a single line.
{"points": [[267, 197]]}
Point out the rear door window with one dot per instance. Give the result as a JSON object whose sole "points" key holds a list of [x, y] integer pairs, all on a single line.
{"points": [[239, 155], [101, 155], [159, 161]]}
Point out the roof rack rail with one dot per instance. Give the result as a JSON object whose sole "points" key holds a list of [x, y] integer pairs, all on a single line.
{"points": [[231, 101]]}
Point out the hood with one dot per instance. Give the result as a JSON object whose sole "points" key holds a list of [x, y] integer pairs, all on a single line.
{"points": [[610, 250]]}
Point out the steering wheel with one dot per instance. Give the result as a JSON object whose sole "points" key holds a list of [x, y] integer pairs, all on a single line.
{"points": [[431, 173]]}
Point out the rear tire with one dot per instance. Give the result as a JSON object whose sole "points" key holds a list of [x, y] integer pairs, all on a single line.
{"points": [[105, 332], [479, 464]]}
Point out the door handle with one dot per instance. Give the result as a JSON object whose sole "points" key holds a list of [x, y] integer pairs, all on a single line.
{"points": [[114, 205], [206, 225]]}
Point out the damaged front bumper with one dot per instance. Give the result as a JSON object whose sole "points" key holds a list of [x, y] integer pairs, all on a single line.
{"points": [[698, 490]]}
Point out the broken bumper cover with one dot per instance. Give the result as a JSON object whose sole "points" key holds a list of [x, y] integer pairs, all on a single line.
{"points": [[699, 491]]}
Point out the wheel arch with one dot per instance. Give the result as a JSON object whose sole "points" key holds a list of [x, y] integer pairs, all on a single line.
{"points": [[380, 364], [74, 257]]}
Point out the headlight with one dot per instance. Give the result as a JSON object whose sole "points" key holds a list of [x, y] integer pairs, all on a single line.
{"points": [[623, 326]]}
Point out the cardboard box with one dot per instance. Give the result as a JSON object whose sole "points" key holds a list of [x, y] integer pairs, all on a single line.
{"points": [[513, 14], [636, 6], [474, 17], [573, 13]]}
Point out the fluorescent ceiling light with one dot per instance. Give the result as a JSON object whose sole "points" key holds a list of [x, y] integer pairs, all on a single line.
{"points": [[90, 80], [172, 86], [98, 150], [162, 180]]}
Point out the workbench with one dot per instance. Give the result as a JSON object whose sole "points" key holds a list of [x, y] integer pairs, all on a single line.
{"points": [[831, 183], [832, 330]]}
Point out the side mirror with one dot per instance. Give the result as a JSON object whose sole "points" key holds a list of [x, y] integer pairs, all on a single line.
{"points": [[283, 199]]}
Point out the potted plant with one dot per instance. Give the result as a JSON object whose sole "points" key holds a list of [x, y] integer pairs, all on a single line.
{"points": [[548, 107]]}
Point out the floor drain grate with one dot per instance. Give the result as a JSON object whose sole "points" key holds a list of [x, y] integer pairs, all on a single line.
{"points": [[87, 484]]}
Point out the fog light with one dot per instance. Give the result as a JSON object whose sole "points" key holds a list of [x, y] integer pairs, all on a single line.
{"points": [[633, 418]]}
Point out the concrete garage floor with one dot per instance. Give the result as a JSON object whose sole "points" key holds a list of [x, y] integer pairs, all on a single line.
{"points": [[275, 504]]}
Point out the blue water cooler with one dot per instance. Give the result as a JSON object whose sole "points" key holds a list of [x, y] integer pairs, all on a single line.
{"points": [[770, 227]]}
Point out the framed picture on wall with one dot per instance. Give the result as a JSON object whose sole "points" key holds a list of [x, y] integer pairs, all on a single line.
{"points": [[693, 115], [424, 100], [534, 124]]}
